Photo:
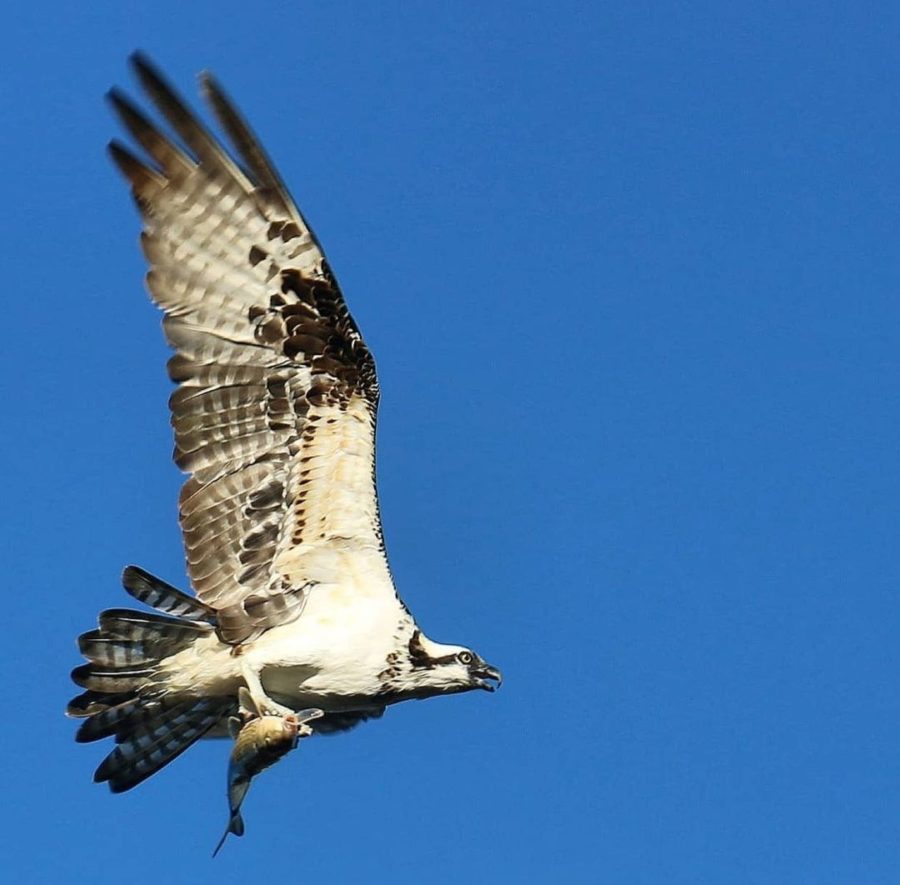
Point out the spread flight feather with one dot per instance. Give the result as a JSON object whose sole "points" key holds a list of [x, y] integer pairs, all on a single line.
{"points": [[274, 416]]}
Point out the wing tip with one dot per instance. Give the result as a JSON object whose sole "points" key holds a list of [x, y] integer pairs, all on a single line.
{"points": [[143, 65]]}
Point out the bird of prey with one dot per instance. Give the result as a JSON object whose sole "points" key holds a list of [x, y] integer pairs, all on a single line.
{"points": [[274, 423]]}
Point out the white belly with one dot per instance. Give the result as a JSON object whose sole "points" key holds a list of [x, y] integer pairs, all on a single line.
{"points": [[337, 647]]}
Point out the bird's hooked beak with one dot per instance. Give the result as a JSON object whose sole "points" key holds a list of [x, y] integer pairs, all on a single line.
{"points": [[486, 675]]}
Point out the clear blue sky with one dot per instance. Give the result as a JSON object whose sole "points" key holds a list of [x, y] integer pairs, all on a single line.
{"points": [[631, 276]]}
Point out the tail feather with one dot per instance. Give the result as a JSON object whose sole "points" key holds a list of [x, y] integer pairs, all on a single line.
{"points": [[124, 696], [112, 681], [158, 739], [125, 623], [109, 721], [157, 594], [112, 651], [90, 702], [130, 639]]}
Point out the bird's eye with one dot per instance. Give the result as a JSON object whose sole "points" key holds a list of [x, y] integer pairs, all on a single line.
{"points": [[465, 657]]}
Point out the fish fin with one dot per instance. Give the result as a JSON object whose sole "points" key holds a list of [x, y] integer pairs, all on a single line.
{"points": [[235, 825], [301, 718], [234, 726], [246, 704]]}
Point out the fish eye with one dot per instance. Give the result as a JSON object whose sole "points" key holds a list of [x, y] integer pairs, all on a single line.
{"points": [[465, 657]]}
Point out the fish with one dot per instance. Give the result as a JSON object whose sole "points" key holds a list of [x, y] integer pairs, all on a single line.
{"points": [[259, 742]]}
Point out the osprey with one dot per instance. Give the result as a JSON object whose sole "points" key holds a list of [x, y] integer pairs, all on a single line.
{"points": [[274, 421]]}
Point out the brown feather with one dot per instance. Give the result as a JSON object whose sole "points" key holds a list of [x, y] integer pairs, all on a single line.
{"points": [[274, 376]]}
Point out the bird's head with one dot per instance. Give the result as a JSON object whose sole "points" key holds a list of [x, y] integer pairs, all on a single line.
{"points": [[447, 669]]}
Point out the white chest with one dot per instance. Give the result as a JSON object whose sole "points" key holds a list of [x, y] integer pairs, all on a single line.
{"points": [[340, 643], [338, 646]]}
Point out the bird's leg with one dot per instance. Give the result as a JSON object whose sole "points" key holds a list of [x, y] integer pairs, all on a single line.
{"points": [[247, 708], [255, 701]]}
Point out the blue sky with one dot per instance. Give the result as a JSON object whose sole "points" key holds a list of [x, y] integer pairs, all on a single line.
{"points": [[630, 273]]}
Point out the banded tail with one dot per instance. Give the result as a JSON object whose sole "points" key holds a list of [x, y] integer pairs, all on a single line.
{"points": [[122, 697]]}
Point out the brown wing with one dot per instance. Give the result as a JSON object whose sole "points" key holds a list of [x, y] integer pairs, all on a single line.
{"points": [[274, 415]]}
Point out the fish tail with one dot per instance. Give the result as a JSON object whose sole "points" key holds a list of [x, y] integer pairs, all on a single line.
{"points": [[124, 700], [235, 825]]}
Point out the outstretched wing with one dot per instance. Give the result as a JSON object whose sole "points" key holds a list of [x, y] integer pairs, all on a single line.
{"points": [[274, 415]]}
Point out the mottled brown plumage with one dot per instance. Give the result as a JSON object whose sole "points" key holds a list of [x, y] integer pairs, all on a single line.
{"points": [[267, 357]]}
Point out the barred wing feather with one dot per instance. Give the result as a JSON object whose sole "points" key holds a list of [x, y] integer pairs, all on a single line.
{"points": [[274, 414]]}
